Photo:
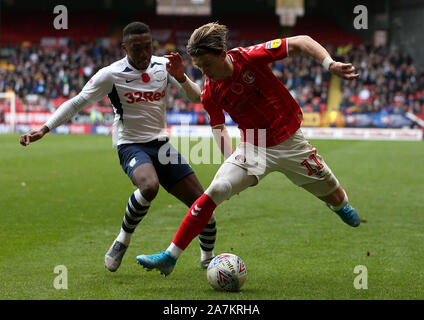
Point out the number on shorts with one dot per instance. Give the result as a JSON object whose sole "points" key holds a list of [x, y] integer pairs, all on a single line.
{"points": [[311, 170]]}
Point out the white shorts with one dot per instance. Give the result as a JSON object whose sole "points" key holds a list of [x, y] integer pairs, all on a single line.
{"points": [[295, 157]]}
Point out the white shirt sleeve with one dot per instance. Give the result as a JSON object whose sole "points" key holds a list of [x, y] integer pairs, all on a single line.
{"points": [[66, 111], [99, 86], [187, 89], [95, 89]]}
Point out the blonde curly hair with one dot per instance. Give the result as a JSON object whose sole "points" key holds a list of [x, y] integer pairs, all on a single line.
{"points": [[209, 38]]}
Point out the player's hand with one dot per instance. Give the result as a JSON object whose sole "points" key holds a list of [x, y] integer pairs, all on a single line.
{"points": [[175, 66], [33, 136], [343, 70]]}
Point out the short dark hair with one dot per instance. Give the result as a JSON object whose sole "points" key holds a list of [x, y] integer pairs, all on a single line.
{"points": [[135, 28]]}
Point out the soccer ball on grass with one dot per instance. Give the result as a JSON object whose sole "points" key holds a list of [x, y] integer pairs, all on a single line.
{"points": [[226, 272]]}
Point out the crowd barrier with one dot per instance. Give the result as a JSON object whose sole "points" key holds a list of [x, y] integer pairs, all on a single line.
{"points": [[204, 131]]}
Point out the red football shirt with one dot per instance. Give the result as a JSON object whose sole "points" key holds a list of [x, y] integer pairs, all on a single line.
{"points": [[254, 97]]}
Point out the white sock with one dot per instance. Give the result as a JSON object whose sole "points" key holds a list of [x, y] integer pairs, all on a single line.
{"points": [[206, 254], [124, 237], [174, 251], [341, 205]]}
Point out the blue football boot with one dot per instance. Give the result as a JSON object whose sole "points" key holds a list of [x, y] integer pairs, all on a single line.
{"points": [[163, 261], [348, 214]]}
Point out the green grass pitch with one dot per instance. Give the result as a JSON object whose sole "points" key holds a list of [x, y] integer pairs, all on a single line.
{"points": [[62, 200]]}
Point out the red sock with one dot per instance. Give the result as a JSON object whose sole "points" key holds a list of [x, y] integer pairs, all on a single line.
{"points": [[195, 221]]}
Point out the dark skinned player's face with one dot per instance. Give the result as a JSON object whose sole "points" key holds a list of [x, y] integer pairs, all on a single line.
{"points": [[139, 50]]}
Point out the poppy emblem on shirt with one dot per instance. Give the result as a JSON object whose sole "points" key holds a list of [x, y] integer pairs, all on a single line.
{"points": [[249, 77], [145, 77]]}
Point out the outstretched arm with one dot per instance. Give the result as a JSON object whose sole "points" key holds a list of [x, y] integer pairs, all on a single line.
{"points": [[64, 113], [94, 90], [312, 48], [175, 68]]}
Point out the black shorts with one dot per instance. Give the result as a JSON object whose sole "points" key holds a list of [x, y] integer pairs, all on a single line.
{"points": [[170, 166]]}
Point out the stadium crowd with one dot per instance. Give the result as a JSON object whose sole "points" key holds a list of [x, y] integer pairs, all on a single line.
{"points": [[389, 82]]}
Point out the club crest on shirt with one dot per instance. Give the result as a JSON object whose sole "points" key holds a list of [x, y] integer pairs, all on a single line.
{"points": [[249, 77], [159, 75]]}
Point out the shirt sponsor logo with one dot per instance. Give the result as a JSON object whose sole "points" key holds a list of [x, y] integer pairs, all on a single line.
{"points": [[139, 96]]}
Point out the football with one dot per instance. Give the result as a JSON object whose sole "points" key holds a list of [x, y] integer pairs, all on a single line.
{"points": [[226, 272]]}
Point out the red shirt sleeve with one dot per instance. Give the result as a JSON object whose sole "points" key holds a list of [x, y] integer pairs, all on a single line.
{"points": [[267, 52]]}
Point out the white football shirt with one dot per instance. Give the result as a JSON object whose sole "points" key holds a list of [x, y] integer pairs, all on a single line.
{"points": [[138, 98]]}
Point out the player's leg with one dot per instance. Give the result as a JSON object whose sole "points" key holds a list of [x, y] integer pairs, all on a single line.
{"points": [[138, 166], [306, 168], [329, 190], [229, 180], [338, 202], [188, 190], [178, 178]]}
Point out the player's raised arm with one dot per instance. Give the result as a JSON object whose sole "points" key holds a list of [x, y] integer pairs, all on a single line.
{"points": [[312, 48], [175, 68]]}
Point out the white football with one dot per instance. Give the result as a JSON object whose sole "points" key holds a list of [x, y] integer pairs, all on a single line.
{"points": [[227, 272]]}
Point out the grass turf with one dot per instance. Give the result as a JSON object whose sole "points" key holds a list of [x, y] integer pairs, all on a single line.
{"points": [[62, 200]]}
